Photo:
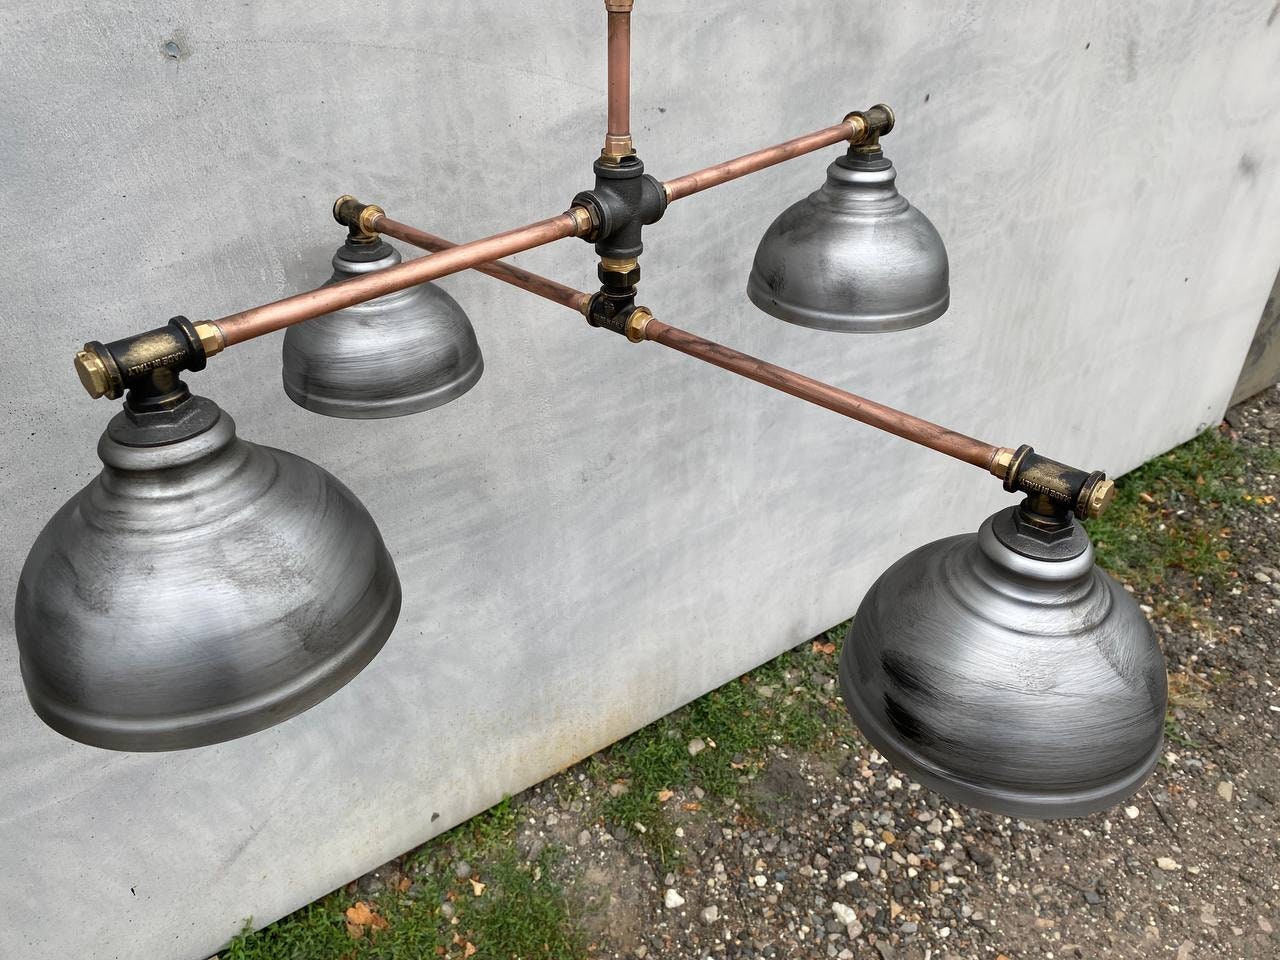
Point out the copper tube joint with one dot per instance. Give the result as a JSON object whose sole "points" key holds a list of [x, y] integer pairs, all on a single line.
{"points": [[638, 323], [1001, 462]]}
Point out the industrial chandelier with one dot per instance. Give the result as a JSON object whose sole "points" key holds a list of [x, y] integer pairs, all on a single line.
{"points": [[1003, 668]]}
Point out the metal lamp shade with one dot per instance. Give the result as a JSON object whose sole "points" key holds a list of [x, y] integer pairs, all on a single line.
{"points": [[854, 256], [198, 590], [1007, 674], [400, 354]]}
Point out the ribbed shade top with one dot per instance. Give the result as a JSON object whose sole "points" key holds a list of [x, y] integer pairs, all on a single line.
{"points": [[854, 256]]}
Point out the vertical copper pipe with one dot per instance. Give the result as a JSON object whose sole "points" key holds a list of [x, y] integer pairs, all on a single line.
{"points": [[893, 421], [618, 136], [508, 273], [720, 173], [247, 324]]}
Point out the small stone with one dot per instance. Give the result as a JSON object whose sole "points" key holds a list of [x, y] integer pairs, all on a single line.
{"points": [[844, 913], [584, 838], [710, 914], [462, 869], [620, 833], [935, 826], [1131, 813], [672, 899], [1261, 577], [699, 793], [1225, 790], [766, 692], [1264, 924], [873, 865], [446, 910], [1168, 864], [696, 746], [618, 789], [1184, 950], [642, 951]]}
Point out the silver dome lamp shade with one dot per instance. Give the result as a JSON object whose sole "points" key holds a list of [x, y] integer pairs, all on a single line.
{"points": [[403, 353], [1008, 672], [854, 256], [200, 588]]}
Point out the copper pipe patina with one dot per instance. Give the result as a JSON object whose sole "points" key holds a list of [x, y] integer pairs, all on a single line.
{"points": [[617, 141], [719, 173], [893, 421], [878, 415], [257, 321], [506, 272]]}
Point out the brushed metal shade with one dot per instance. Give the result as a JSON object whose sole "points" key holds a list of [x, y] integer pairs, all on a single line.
{"points": [[1007, 674], [402, 353], [854, 256], [198, 589]]}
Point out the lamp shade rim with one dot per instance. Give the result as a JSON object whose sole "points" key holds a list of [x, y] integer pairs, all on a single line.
{"points": [[760, 294], [226, 721], [354, 408], [1009, 801]]}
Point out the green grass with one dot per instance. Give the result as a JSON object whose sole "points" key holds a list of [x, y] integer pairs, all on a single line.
{"points": [[737, 724], [1166, 557], [521, 914], [1143, 540]]}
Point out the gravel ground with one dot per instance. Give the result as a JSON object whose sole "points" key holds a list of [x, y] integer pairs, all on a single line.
{"points": [[831, 852]]}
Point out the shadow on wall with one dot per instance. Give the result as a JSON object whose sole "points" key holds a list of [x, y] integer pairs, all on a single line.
{"points": [[1262, 362]]}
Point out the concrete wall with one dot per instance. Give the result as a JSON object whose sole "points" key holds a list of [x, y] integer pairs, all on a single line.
{"points": [[598, 532], [1262, 363]]}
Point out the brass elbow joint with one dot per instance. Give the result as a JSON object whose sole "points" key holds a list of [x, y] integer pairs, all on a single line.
{"points": [[866, 127], [359, 218]]}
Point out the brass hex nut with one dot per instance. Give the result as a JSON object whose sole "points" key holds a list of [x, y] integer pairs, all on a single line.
{"points": [[1001, 462], [618, 273], [92, 373], [636, 324], [211, 337], [1100, 497]]}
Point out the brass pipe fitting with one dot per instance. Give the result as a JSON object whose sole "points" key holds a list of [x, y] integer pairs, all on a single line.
{"points": [[617, 148], [211, 337], [359, 218], [1000, 463], [92, 372], [1100, 497], [584, 223], [637, 323], [875, 122]]}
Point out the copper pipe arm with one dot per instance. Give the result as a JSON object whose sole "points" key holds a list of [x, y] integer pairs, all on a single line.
{"points": [[857, 127], [617, 141], [904, 425], [257, 321], [506, 272]]}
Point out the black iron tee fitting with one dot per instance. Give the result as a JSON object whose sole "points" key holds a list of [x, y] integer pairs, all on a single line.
{"points": [[625, 199]]}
